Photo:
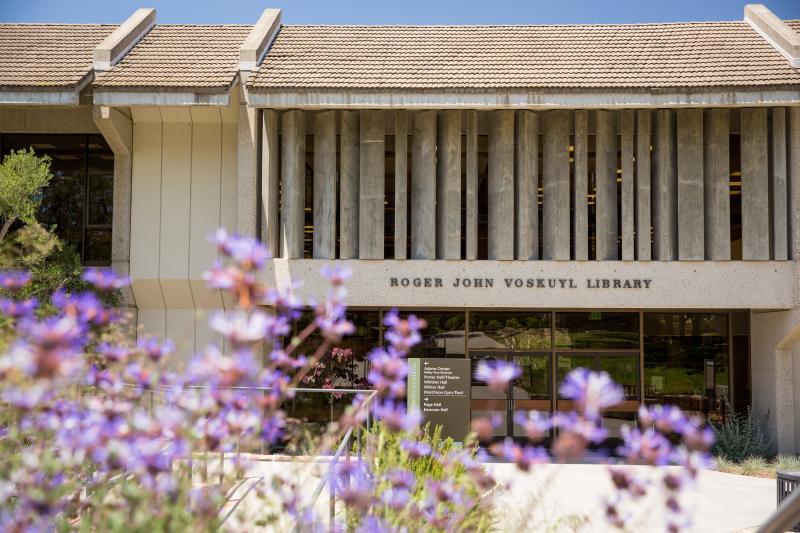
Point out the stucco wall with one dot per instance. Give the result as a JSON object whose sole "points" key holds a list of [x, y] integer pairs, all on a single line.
{"points": [[183, 189]]}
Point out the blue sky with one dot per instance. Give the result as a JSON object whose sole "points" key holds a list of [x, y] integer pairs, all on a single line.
{"points": [[391, 12]]}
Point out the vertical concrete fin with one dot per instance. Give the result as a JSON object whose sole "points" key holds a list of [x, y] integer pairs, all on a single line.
{"points": [[691, 218], [325, 185], [255, 46], [606, 187], [581, 198], [372, 163], [778, 186], [423, 186], [119, 42], [664, 187], [247, 170], [716, 175], [755, 184], [471, 128], [626, 127], [400, 184], [526, 160], [643, 199], [501, 185], [555, 163], [270, 179], [293, 177], [348, 186], [794, 184], [448, 189]]}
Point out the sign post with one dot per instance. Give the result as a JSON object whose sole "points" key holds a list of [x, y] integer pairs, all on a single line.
{"points": [[440, 389]]}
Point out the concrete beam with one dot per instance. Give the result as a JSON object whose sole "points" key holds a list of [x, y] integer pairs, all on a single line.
{"points": [[555, 161], [627, 199], [293, 177], [258, 41], [325, 185], [348, 186], [755, 184], [643, 220], [33, 96], [526, 163], [775, 31], [114, 47], [248, 152], [160, 98], [580, 200], [448, 185], [372, 172], [423, 186], [501, 185], [778, 186], [606, 186], [664, 187], [270, 180], [471, 128], [716, 190], [691, 217], [794, 184], [400, 184]]}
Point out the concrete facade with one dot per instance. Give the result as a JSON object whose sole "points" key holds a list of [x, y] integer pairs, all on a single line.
{"points": [[634, 211]]}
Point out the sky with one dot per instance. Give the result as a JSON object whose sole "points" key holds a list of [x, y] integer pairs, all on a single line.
{"points": [[391, 12]]}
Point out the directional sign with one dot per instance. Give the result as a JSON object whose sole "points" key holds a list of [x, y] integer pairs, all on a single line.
{"points": [[440, 389]]}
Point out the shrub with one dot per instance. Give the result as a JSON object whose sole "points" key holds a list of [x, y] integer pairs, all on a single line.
{"points": [[788, 462], [753, 465], [740, 436]]}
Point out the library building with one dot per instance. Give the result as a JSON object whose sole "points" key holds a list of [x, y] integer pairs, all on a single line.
{"points": [[617, 197]]}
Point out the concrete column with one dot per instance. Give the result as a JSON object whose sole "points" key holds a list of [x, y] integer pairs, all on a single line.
{"points": [[664, 188], [247, 179], [691, 218], [555, 161], [501, 185], [778, 189], [526, 161], [325, 185], [270, 179], [643, 224], [448, 189], [117, 130], [716, 165], [372, 169], [348, 186], [606, 186], [628, 186], [400, 184], [755, 184], [471, 128], [580, 200], [423, 186], [794, 183], [293, 177]]}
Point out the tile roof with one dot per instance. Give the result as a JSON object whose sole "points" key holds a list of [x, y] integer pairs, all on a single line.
{"points": [[174, 57], [47, 56], [556, 57]]}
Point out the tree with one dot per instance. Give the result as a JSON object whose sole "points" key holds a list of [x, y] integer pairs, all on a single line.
{"points": [[23, 175]]}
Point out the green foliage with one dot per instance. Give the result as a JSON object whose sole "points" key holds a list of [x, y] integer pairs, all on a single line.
{"points": [[23, 175], [754, 464], [788, 462], [740, 437], [724, 464], [437, 466]]}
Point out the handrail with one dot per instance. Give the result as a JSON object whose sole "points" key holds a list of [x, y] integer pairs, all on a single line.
{"points": [[344, 445], [785, 517]]}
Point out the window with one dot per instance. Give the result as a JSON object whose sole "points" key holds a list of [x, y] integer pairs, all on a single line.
{"points": [[79, 200]]}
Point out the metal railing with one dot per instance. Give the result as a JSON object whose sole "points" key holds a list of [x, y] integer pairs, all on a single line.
{"points": [[787, 517]]}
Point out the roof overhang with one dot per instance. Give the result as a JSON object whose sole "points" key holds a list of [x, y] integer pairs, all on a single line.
{"points": [[733, 97], [36, 96], [162, 97]]}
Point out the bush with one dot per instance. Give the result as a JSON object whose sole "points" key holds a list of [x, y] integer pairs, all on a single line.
{"points": [[788, 462], [740, 437]]}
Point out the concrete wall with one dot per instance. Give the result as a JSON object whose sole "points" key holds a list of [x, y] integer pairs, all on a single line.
{"points": [[184, 183]]}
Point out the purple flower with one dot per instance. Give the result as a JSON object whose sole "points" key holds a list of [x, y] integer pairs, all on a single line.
{"points": [[247, 252], [85, 306], [18, 309], [403, 334], [523, 457], [113, 352], [415, 449], [535, 424], [241, 327], [336, 274], [105, 279], [497, 374], [395, 416], [13, 280], [155, 349], [388, 373], [591, 391], [647, 446]]}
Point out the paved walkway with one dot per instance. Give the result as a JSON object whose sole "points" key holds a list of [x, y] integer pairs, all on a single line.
{"points": [[553, 498]]}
